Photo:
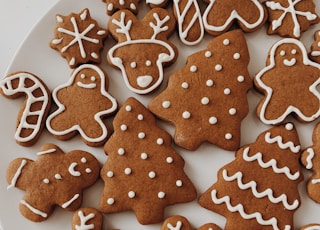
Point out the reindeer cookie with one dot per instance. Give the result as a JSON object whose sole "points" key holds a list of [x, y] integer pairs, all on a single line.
{"points": [[181, 223], [82, 103], [142, 71], [34, 111], [54, 179]]}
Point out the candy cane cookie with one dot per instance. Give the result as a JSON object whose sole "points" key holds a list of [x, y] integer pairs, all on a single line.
{"points": [[35, 108]]}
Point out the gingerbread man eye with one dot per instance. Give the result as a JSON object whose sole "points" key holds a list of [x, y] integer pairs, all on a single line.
{"points": [[282, 53], [294, 51], [83, 76], [93, 78]]}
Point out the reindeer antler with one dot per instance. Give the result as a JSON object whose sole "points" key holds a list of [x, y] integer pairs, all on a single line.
{"points": [[123, 27], [158, 27]]}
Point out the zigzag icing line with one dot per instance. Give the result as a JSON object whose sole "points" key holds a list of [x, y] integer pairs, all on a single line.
{"points": [[272, 163], [268, 192], [280, 143]]}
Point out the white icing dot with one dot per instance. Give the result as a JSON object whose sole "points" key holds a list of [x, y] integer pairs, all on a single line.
{"points": [[159, 141], [88, 170], [141, 135], [294, 51], [148, 63], [110, 201], [186, 115], [140, 117], [152, 174], [59, 18], [282, 52], [46, 181], [121, 151], [169, 160], [72, 61], [193, 68], [232, 111], [226, 91], [93, 78], [208, 54], [110, 174], [228, 136], [82, 76], [83, 160], [123, 127], [133, 65], [58, 176], [166, 104], [218, 67], [94, 55], [161, 195], [289, 126], [205, 100], [131, 194], [110, 7], [226, 42], [240, 78], [236, 56], [213, 120], [209, 83], [144, 156], [133, 6], [178, 183], [127, 171], [128, 108], [185, 85]]}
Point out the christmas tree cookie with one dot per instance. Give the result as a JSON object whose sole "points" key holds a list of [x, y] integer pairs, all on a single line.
{"points": [[258, 190], [207, 99], [143, 172], [311, 160]]}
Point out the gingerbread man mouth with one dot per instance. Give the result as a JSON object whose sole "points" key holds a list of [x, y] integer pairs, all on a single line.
{"points": [[86, 86], [289, 63]]}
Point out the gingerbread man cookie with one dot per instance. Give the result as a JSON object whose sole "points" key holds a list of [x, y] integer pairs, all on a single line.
{"points": [[289, 84], [78, 38], [289, 18], [220, 15], [208, 107], [87, 219], [142, 71], [34, 111], [54, 179], [181, 223], [82, 103]]}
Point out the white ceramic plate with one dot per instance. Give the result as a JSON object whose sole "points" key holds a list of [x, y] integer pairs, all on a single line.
{"points": [[201, 165]]}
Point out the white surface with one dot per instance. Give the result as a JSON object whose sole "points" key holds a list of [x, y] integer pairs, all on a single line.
{"points": [[17, 19]]}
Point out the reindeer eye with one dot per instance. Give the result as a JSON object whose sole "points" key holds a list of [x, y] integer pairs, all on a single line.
{"points": [[148, 63], [133, 65]]}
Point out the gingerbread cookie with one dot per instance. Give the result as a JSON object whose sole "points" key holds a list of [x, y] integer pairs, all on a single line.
{"points": [[181, 223], [54, 179], [142, 71], [259, 189], [87, 219], [78, 38], [140, 153], [220, 15], [289, 18], [115, 5], [315, 48], [288, 83], [311, 227], [82, 103], [216, 103], [311, 160], [35, 108]]}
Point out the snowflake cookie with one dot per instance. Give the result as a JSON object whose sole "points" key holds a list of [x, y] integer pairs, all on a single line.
{"points": [[142, 71], [78, 38], [289, 18], [83, 102], [54, 179], [220, 15], [288, 83], [259, 189], [181, 223], [143, 172], [87, 219], [207, 99]]}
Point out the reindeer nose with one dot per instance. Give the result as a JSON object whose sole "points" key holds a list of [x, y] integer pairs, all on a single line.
{"points": [[144, 81]]}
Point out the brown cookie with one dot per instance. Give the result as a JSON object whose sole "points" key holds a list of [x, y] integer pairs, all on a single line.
{"points": [[259, 189], [82, 103], [142, 71], [54, 179], [208, 107], [143, 172], [220, 15], [115, 5], [87, 218], [35, 108], [315, 48], [289, 18], [311, 227], [181, 223], [288, 83], [78, 38]]}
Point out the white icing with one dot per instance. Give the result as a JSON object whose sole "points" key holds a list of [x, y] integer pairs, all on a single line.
{"points": [[271, 163], [59, 18], [152, 174], [205, 100], [315, 181], [58, 176], [133, 6], [196, 18], [128, 108], [110, 174], [161, 195], [86, 86], [177, 227], [56, 41], [94, 55], [193, 68], [226, 42], [121, 151], [131, 194], [33, 209], [72, 169], [110, 7], [208, 54], [83, 221], [144, 81], [213, 120], [240, 78], [127, 171], [84, 14], [236, 56], [169, 160], [185, 85], [166, 104], [140, 117], [218, 67], [148, 63], [186, 115], [46, 181], [314, 227], [141, 135], [269, 90], [209, 83], [232, 111], [83, 160], [309, 158], [88, 170], [278, 140], [69, 202], [289, 63], [289, 126], [233, 15], [17, 174], [179, 183], [110, 201], [160, 141], [6, 86], [315, 53], [144, 156], [123, 127], [155, 2], [227, 91], [266, 193], [228, 136]]}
